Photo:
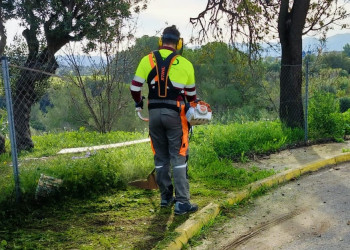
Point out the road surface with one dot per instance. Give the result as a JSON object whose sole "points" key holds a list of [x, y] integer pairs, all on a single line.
{"points": [[312, 212]]}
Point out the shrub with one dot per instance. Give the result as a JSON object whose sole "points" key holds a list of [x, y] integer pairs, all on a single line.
{"points": [[346, 118], [325, 120], [344, 103], [236, 140]]}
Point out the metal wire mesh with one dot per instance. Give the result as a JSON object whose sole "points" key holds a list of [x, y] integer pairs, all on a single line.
{"points": [[48, 99], [64, 94]]}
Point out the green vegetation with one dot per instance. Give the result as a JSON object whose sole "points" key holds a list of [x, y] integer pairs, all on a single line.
{"points": [[325, 117], [98, 207], [95, 207], [213, 148]]}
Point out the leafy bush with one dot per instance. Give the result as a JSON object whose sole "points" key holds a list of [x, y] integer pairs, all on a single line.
{"points": [[325, 121], [346, 119], [344, 103], [233, 141]]}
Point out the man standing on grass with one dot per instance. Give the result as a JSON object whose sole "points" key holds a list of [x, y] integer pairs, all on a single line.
{"points": [[171, 82]]}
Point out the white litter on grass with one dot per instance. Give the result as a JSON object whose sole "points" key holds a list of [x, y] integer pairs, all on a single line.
{"points": [[92, 148]]}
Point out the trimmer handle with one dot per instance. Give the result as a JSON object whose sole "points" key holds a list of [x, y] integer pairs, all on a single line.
{"points": [[138, 110]]}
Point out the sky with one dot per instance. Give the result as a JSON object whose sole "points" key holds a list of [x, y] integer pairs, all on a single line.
{"points": [[163, 13], [158, 15]]}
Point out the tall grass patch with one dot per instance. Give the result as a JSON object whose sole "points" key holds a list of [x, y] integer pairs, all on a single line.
{"points": [[325, 119], [212, 151], [216, 146], [49, 144], [102, 171], [236, 140]]}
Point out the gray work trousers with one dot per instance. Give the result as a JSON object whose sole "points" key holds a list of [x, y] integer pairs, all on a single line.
{"points": [[166, 134]]}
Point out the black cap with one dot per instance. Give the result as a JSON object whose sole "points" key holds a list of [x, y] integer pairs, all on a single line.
{"points": [[171, 35]]}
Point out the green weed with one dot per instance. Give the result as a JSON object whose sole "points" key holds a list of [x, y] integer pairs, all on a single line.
{"points": [[50, 144], [236, 141], [325, 119], [99, 209]]}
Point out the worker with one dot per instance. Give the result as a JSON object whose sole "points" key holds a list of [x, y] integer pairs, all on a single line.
{"points": [[171, 83]]}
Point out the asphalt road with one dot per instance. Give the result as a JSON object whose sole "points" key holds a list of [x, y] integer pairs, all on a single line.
{"points": [[312, 212]]}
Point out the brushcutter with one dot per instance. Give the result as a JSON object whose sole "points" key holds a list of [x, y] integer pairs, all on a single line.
{"points": [[197, 113], [150, 182]]}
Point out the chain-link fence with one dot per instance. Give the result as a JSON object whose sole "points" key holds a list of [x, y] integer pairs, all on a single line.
{"points": [[70, 93], [50, 95]]}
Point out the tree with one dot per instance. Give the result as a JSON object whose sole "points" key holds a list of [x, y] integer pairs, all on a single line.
{"points": [[254, 21], [228, 82], [94, 91], [346, 49], [50, 25], [216, 66], [104, 89], [336, 60], [6, 12], [142, 47]]}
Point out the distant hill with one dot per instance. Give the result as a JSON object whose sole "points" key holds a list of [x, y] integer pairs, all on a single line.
{"points": [[333, 43]]}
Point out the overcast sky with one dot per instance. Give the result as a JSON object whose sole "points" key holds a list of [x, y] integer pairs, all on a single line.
{"points": [[160, 14]]}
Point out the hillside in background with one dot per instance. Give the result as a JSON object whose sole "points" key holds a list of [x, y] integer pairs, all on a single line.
{"points": [[333, 43]]}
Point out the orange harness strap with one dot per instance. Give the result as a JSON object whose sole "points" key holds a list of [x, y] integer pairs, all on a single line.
{"points": [[150, 58], [184, 123]]}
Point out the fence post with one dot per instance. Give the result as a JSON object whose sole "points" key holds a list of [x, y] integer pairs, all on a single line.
{"points": [[306, 99], [7, 85]]}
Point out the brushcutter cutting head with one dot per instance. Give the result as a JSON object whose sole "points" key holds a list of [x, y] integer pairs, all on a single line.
{"points": [[149, 184]]}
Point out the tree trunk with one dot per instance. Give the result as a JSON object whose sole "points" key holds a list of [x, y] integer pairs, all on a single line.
{"points": [[26, 94], [3, 39], [2, 144], [291, 106], [290, 27]]}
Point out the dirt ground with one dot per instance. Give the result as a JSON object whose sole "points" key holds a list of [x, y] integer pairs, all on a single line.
{"points": [[309, 213], [295, 157]]}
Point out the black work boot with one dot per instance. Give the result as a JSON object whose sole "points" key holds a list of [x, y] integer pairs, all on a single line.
{"points": [[184, 208]]}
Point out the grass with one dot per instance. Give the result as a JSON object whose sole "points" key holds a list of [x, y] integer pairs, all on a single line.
{"points": [[96, 208], [49, 144]]}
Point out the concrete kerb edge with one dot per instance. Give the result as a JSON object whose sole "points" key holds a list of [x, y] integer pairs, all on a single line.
{"points": [[194, 224]]}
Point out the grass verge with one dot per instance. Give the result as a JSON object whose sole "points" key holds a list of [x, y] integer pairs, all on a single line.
{"points": [[96, 208]]}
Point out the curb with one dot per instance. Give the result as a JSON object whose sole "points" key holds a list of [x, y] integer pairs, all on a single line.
{"points": [[194, 224]]}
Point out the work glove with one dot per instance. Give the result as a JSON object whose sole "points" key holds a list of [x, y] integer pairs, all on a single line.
{"points": [[140, 104]]}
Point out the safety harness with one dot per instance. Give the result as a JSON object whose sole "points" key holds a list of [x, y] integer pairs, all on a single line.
{"points": [[162, 94]]}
